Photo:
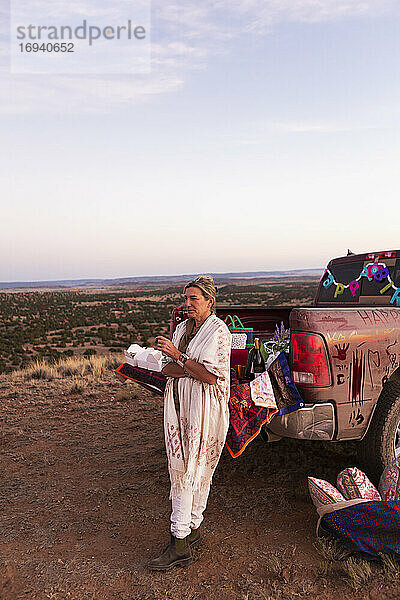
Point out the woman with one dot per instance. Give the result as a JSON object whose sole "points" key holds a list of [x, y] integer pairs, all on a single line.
{"points": [[196, 415]]}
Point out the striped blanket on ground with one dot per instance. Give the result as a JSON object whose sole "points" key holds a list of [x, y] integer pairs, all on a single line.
{"points": [[372, 528]]}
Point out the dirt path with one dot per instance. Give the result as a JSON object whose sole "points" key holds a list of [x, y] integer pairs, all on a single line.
{"points": [[84, 506]]}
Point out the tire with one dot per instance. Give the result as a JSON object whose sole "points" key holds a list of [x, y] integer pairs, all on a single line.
{"points": [[381, 445]]}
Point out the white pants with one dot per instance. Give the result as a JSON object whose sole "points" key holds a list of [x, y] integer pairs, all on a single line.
{"points": [[187, 511]]}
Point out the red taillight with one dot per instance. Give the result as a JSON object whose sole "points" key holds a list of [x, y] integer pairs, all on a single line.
{"points": [[309, 362]]}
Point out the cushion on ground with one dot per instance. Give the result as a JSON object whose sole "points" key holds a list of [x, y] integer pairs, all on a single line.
{"points": [[389, 484], [353, 483], [322, 492]]}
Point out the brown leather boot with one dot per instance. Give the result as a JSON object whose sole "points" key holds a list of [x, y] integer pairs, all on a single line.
{"points": [[194, 537], [177, 553]]}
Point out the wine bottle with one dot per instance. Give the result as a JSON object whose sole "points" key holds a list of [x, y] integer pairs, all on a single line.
{"points": [[258, 361], [255, 362]]}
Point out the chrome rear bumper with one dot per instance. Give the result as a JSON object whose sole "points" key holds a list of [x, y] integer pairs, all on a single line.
{"points": [[313, 422]]}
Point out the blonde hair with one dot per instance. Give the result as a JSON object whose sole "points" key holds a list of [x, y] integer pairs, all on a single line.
{"points": [[206, 285]]}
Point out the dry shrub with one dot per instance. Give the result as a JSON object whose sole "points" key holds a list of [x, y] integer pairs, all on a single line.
{"points": [[71, 366], [15, 376], [358, 571], [390, 566], [92, 368], [331, 549], [78, 386], [96, 366], [39, 369], [281, 564]]}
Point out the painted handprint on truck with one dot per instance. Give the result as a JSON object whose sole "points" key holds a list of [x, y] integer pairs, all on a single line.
{"points": [[341, 350]]}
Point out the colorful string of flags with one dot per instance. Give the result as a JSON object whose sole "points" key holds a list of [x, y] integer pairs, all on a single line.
{"points": [[377, 271]]}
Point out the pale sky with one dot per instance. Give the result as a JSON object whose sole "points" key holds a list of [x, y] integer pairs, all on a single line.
{"points": [[265, 137]]}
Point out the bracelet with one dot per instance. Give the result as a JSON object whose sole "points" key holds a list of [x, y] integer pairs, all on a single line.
{"points": [[182, 359]]}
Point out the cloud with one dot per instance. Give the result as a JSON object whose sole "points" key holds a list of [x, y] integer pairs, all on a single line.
{"points": [[222, 19], [314, 127], [185, 37], [365, 122], [263, 14], [80, 94]]}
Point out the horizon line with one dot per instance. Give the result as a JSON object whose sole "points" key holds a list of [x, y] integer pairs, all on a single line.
{"points": [[150, 277]]}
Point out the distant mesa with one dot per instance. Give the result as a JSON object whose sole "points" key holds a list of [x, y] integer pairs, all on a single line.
{"points": [[157, 279]]}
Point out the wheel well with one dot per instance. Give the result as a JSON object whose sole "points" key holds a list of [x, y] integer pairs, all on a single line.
{"points": [[376, 448], [395, 376]]}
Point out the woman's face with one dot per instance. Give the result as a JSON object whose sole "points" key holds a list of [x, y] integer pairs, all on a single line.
{"points": [[198, 307]]}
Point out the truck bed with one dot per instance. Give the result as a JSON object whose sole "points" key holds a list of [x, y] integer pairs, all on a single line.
{"points": [[263, 320]]}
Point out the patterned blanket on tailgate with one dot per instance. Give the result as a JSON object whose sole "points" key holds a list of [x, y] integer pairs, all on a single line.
{"points": [[246, 419]]}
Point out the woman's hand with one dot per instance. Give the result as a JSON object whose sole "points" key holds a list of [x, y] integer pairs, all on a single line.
{"points": [[194, 368], [167, 347]]}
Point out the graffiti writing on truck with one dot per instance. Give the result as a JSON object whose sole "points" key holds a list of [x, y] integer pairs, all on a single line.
{"points": [[378, 316], [356, 418], [393, 356], [374, 359], [341, 378], [357, 378]]}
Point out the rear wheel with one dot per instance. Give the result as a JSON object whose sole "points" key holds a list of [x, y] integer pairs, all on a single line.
{"points": [[381, 445]]}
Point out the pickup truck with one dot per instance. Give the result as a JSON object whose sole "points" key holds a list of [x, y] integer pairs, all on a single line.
{"points": [[344, 357]]}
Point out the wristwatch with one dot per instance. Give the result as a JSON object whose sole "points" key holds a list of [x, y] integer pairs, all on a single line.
{"points": [[182, 359]]}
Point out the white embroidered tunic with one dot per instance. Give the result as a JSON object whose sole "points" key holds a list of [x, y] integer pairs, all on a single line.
{"points": [[194, 439]]}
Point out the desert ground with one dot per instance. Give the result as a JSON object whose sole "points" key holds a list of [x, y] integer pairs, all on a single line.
{"points": [[84, 503]]}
